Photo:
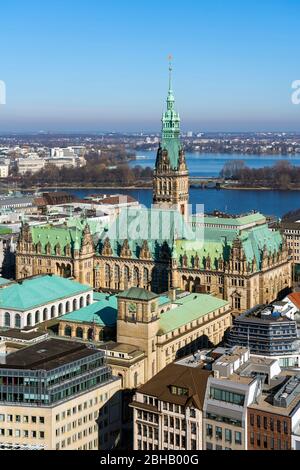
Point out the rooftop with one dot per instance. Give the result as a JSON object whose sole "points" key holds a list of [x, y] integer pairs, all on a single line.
{"points": [[295, 299], [194, 380], [103, 312], [47, 355], [266, 400], [263, 314], [190, 308], [37, 291], [136, 293], [24, 335], [248, 219]]}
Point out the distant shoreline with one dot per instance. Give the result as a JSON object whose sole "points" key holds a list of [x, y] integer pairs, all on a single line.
{"points": [[81, 187]]}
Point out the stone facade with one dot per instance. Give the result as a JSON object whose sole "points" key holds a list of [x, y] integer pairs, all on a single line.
{"points": [[235, 279], [151, 336]]}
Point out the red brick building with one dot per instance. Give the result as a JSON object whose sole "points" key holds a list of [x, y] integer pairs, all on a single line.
{"points": [[268, 430], [273, 421]]}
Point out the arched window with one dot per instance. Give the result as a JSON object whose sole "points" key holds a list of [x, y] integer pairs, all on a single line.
{"points": [[18, 321], [126, 276], [29, 319], [117, 272], [53, 311], [136, 277], [81, 302], [88, 300], [68, 271], [91, 334], [74, 304], [60, 309], [79, 333], [107, 275], [45, 314], [146, 278], [7, 319], [37, 317], [117, 277], [67, 307], [68, 331]]}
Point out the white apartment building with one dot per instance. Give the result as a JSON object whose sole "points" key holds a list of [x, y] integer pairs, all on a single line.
{"points": [[30, 164], [234, 386]]}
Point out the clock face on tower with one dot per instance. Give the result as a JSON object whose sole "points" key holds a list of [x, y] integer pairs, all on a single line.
{"points": [[132, 307]]}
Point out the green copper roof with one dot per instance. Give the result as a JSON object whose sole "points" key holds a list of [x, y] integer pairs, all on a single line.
{"points": [[157, 226], [136, 293], [103, 312], [35, 292], [71, 234], [191, 307], [163, 299], [63, 236], [232, 221], [95, 226], [218, 242]]}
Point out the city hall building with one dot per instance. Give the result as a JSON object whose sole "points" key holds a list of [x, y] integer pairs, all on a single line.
{"points": [[241, 260]]}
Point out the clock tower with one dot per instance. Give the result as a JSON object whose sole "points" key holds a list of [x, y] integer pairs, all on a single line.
{"points": [[138, 324], [171, 178]]}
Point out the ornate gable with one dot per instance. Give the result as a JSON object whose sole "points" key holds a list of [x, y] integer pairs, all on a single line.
{"points": [[125, 250], [145, 252], [107, 249]]}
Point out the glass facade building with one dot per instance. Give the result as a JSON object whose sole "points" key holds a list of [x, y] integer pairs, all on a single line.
{"points": [[56, 379], [265, 334]]}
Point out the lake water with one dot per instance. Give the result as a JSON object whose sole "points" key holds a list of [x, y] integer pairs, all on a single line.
{"points": [[233, 201], [210, 164]]}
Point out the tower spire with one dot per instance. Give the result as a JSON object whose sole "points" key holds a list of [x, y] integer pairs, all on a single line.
{"points": [[170, 72], [171, 180], [170, 99]]}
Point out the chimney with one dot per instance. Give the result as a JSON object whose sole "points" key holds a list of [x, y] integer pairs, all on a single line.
{"points": [[172, 295]]}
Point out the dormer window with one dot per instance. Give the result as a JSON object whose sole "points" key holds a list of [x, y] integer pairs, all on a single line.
{"points": [[179, 391]]}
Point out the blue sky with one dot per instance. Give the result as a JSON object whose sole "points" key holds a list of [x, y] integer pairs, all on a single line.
{"points": [[102, 65]]}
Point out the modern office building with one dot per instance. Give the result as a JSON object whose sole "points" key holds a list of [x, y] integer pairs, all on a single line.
{"points": [[267, 331], [59, 395], [229, 392]]}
